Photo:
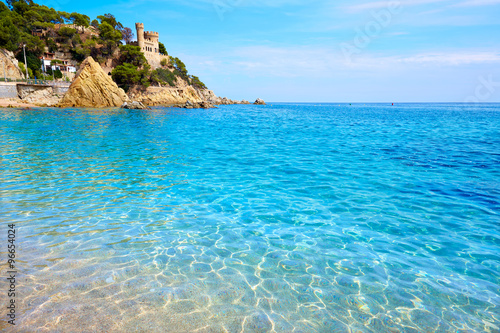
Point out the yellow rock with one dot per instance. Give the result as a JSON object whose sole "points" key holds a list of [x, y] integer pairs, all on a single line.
{"points": [[154, 96], [92, 87], [10, 65]]}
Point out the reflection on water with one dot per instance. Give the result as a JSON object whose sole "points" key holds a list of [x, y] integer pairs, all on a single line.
{"points": [[308, 218]]}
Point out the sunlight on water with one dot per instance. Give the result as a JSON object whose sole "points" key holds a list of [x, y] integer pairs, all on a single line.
{"points": [[303, 218]]}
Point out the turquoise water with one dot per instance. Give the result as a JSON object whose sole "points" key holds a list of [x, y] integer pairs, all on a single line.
{"points": [[303, 218]]}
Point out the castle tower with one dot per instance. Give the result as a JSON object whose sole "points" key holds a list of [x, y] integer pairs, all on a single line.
{"points": [[140, 35]]}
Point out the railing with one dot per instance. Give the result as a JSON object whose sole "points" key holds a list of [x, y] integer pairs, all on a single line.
{"points": [[37, 82]]}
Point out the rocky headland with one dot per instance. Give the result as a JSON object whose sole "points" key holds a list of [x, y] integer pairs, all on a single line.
{"points": [[93, 88]]}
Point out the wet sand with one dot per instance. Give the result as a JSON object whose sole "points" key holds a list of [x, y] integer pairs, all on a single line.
{"points": [[14, 102]]}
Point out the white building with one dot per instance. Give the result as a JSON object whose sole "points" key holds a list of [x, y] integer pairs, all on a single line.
{"points": [[49, 61]]}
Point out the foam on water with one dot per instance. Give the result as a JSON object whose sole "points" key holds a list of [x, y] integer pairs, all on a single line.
{"points": [[303, 218]]}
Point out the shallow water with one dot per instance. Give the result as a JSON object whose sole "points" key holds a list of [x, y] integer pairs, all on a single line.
{"points": [[303, 218]]}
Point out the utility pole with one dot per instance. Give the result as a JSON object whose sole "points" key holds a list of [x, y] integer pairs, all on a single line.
{"points": [[25, 62]]}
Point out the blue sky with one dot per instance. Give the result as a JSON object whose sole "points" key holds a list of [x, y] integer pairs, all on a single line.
{"points": [[312, 50]]}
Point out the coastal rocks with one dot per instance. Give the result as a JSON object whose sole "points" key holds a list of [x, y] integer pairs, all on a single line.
{"points": [[259, 102], [38, 95], [92, 87], [10, 65], [197, 105], [134, 106], [43, 97]]}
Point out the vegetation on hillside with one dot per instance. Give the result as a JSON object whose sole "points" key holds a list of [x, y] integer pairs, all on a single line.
{"points": [[42, 29]]}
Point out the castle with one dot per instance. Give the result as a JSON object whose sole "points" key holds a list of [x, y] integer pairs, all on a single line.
{"points": [[148, 42]]}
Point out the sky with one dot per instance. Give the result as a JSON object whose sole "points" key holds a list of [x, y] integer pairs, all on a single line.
{"points": [[326, 51]]}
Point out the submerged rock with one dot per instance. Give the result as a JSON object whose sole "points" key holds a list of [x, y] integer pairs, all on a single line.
{"points": [[259, 102], [134, 106], [92, 87]]}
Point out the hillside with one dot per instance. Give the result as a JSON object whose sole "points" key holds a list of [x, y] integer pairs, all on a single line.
{"points": [[68, 38]]}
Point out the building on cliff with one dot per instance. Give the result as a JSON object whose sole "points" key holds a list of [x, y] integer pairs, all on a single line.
{"points": [[149, 44]]}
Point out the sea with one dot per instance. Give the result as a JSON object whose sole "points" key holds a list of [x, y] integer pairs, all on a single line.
{"points": [[279, 218]]}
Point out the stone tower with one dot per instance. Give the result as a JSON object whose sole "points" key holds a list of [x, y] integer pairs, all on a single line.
{"points": [[140, 34], [148, 41]]}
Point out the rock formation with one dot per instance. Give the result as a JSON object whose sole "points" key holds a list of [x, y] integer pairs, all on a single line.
{"points": [[182, 95], [42, 96], [134, 106], [259, 102], [155, 96], [12, 70], [92, 87], [196, 105]]}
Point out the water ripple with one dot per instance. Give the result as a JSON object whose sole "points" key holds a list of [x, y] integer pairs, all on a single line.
{"points": [[303, 218]]}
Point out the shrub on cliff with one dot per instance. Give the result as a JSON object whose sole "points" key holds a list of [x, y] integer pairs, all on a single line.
{"points": [[58, 74], [162, 49], [180, 68], [130, 54], [66, 32], [163, 76], [195, 82], [127, 75]]}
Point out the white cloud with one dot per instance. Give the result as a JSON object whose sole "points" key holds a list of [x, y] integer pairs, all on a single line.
{"points": [[386, 4], [453, 59], [473, 3], [295, 62]]}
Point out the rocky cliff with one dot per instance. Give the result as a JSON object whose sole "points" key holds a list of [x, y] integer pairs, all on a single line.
{"points": [[154, 96], [12, 70], [92, 87]]}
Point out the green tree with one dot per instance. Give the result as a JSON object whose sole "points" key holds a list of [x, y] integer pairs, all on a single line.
{"points": [[109, 34], [20, 7], [180, 68], [66, 17], [66, 32], [111, 20], [9, 34], [80, 20], [110, 38], [195, 82], [132, 55], [126, 75], [164, 76], [4, 10], [23, 70], [58, 74], [34, 63], [162, 48]]}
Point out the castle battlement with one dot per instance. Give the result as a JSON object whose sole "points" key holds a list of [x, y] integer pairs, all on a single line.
{"points": [[151, 33]]}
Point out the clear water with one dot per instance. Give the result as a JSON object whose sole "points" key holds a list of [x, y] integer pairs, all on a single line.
{"points": [[303, 218]]}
